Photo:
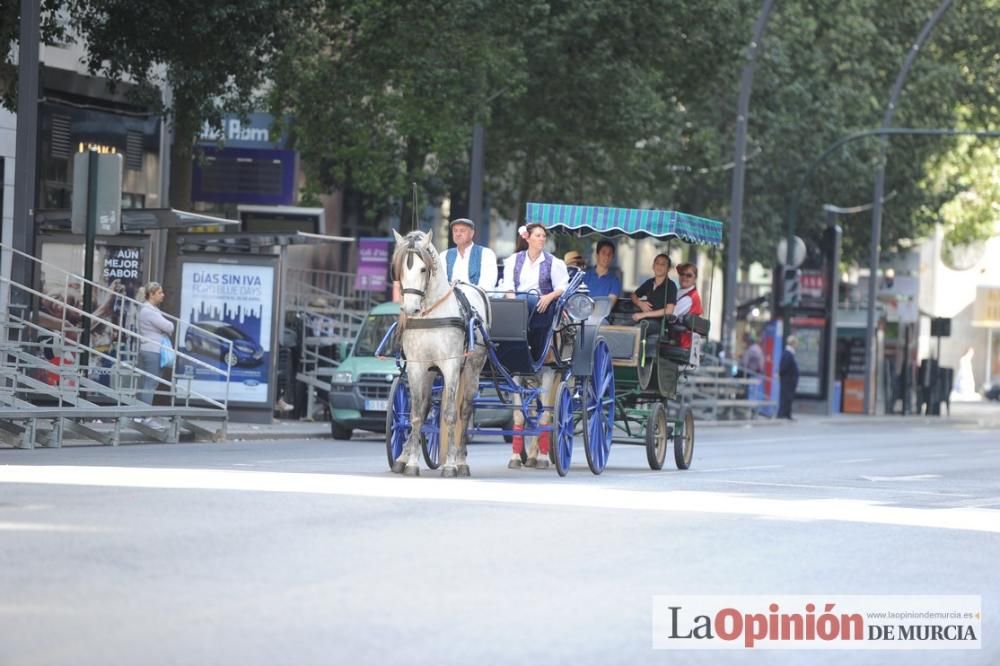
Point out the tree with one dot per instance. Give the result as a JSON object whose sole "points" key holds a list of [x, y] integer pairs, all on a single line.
{"points": [[386, 93], [53, 32], [215, 54]]}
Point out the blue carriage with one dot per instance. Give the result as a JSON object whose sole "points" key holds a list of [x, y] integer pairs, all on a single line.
{"points": [[569, 348]]}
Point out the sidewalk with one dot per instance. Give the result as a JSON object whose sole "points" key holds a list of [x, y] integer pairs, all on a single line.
{"points": [[982, 414]]}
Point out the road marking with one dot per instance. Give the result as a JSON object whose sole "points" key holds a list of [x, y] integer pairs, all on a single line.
{"points": [[45, 527], [818, 486], [737, 469], [909, 477], [550, 494], [854, 460]]}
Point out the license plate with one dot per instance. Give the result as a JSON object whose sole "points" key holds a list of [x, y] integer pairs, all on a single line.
{"points": [[376, 405]]}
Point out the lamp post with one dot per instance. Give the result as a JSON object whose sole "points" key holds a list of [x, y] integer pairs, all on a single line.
{"points": [[22, 233], [890, 111], [739, 177]]}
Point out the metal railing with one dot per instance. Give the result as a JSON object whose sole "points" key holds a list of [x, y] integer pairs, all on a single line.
{"points": [[44, 358], [721, 389]]}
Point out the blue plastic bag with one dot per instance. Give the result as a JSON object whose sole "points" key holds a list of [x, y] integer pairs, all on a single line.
{"points": [[166, 352]]}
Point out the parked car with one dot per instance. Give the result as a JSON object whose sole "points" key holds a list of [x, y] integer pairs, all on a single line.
{"points": [[246, 352], [359, 386]]}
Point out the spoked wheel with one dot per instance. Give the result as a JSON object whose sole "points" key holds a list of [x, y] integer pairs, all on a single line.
{"points": [[599, 406], [684, 440], [657, 433], [397, 419], [430, 443], [561, 449]]}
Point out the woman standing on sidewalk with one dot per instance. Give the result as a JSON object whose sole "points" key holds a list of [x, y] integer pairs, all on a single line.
{"points": [[152, 327]]}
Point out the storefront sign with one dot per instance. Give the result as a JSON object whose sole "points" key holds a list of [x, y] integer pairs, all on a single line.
{"points": [[254, 131], [986, 312], [236, 303], [373, 264]]}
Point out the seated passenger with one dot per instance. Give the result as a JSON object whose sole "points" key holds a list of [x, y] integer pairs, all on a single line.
{"points": [[655, 297], [467, 261], [537, 276], [688, 299], [600, 279], [574, 262]]}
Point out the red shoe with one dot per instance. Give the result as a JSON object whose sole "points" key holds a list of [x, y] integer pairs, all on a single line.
{"points": [[518, 441]]}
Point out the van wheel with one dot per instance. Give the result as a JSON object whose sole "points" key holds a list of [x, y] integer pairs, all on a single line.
{"points": [[340, 432]]}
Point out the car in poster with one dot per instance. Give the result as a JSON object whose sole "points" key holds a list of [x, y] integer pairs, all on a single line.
{"points": [[359, 385], [246, 352]]}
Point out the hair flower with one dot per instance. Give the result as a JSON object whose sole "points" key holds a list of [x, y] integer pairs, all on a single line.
{"points": [[522, 231]]}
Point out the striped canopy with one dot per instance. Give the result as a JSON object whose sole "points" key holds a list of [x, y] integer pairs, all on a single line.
{"points": [[632, 222]]}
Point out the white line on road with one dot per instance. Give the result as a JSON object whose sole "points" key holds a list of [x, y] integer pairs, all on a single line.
{"points": [[45, 527], [854, 460], [551, 494], [737, 469], [905, 477], [817, 486]]}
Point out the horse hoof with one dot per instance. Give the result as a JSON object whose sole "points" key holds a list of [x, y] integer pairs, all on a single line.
{"points": [[542, 463], [515, 463], [397, 467], [449, 472], [411, 470], [532, 462], [463, 470]]}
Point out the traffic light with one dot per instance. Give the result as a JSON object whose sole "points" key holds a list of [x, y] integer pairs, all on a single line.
{"points": [[790, 292]]}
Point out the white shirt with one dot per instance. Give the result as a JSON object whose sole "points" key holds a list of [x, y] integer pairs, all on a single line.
{"points": [[460, 271], [684, 302], [530, 271]]}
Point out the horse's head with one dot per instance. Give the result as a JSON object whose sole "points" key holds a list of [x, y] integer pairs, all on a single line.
{"points": [[414, 263]]}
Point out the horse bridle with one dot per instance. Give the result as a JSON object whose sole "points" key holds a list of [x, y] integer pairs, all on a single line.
{"points": [[409, 264]]}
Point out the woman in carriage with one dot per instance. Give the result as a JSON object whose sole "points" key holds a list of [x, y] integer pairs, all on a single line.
{"points": [[540, 278], [688, 300]]}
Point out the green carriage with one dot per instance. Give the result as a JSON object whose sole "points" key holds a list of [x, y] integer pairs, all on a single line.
{"points": [[648, 364]]}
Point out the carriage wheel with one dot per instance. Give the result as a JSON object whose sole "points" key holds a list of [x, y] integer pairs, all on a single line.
{"points": [[684, 440], [599, 406], [430, 443], [561, 448], [657, 433], [397, 419]]}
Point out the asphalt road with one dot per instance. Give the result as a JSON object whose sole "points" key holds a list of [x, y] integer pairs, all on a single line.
{"points": [[311, 552]]}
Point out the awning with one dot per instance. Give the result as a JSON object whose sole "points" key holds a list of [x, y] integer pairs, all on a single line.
{"points": [[632, 222], [138, 219]]}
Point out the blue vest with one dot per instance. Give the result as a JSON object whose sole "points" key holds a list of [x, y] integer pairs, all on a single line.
{"points": [[544, 272], [475, 262]]}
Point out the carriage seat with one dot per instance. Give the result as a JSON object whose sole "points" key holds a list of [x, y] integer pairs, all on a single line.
{"points": [[624, 343], [669, 348], [510, 320]]}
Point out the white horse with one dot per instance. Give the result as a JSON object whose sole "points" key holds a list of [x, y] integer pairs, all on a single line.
{"points": [[430, 338]]}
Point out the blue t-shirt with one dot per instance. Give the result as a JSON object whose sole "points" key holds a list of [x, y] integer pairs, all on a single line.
{"points": [[606, 285]]}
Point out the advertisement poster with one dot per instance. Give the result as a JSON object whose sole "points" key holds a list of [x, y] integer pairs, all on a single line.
{"points": [[236, 303], [373, 264], [120, 268], [771, 345], [809, 354]]}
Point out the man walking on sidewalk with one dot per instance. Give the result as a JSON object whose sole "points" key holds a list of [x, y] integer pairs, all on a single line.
{"points": [[788, 372]]}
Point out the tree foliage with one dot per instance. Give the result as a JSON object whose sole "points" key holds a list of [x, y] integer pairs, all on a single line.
{"points": [[386, 93], [53, 31]]}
